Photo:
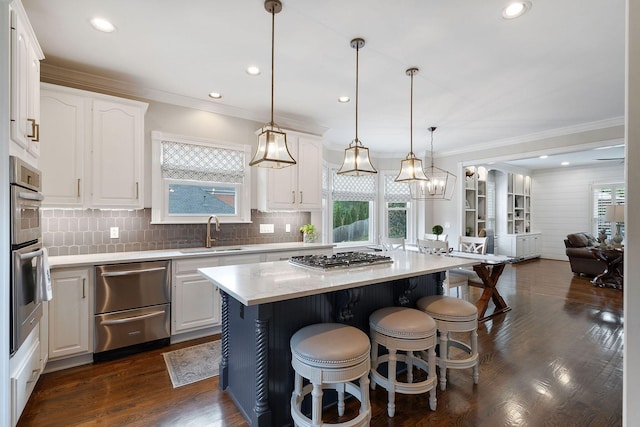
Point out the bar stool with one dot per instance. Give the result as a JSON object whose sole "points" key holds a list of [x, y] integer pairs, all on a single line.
{"points": [[330, 356], [408, 330], [453, 315]]}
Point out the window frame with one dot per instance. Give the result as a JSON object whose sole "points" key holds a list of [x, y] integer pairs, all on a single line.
{"points": [[595, 219], [159, 200]]}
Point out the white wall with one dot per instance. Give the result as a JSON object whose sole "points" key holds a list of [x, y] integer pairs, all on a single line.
{"points": [[561, 203]]}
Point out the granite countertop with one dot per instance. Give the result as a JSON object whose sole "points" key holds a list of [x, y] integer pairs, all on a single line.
{"points": [[266, 282], [121, 257]]}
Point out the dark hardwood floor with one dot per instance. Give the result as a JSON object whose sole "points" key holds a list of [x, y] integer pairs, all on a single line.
{"points": [[555, 359]]}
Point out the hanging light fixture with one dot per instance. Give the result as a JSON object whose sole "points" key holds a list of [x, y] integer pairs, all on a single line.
{"points": [[356, 157], [440, 184], [272, 151], [411, 167]]}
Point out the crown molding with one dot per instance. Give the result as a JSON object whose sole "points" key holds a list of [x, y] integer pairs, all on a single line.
{"points": [[82, 80]]}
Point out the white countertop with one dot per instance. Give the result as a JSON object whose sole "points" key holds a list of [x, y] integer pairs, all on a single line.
{"points": [[121, 257], [266, 282]]}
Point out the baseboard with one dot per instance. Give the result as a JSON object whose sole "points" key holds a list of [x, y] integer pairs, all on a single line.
{"points": [[200, 333]]}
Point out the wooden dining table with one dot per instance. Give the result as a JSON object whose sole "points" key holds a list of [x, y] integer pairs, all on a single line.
{"points": [[489, 269]]}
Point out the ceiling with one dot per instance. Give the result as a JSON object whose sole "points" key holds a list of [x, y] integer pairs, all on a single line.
{"points": [[482, 78]]}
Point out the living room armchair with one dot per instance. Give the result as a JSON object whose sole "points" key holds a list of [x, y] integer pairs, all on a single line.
{"points": [[583, 261]]}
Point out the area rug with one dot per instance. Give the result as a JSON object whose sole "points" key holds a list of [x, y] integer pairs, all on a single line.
{"points": [[191, 364]]}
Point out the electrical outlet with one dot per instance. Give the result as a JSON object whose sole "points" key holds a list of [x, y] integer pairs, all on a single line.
{"points": [[287, 228], [115, 232], [267, 228]]}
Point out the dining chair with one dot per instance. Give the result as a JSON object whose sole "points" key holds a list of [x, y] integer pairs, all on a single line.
{"points": [[458, 281], [476, 245], [390, 244]]}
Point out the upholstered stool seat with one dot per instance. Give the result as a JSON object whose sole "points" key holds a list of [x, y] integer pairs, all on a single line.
{"points": [[453, 315], [330, 356], [410, 331]]}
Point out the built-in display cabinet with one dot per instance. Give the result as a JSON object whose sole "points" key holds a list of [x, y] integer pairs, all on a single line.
{"points": [[100, 141], [497, 204], [297, 187]]}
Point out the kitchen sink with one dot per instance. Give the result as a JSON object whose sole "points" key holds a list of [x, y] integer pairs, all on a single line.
{"points": [[211, 250]]}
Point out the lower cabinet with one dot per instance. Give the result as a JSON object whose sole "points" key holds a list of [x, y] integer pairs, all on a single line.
{"points": [[69, 314], [524, 246], [25, 369]]}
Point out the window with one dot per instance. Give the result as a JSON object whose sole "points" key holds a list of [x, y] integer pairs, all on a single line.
{"points": [[397, 207], [603, 196], [352, 208], [193, 179]]}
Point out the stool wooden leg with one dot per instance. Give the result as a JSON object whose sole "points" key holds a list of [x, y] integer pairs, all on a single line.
{"points": [[474, 350], [391, 383], [316, 405], [409, 366], [340, 389], [374, 362], [365, 406], [431, 360], [444, 356]]}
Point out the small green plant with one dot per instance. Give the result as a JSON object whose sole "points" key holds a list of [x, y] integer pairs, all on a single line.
{"points": [[437, 230], [309, 232]]}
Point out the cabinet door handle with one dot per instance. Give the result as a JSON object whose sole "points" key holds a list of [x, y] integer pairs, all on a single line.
{"points": [[84, 294], [293, 197], [33, 128], [301, 197], [37, 138], [78, 191], [137, 190]]}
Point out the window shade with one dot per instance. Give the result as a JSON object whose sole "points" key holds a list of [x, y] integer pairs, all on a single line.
{"points": [[354, 188], [202, 163], [396, 192], [603, 196]]}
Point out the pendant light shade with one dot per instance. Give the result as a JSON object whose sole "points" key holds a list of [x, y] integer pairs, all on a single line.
{"points": [[272, 150], [411, 167], [356, 157], [440, 184]]}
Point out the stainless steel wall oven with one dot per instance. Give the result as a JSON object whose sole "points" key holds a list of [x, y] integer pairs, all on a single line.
{"points": [[26, 267]]}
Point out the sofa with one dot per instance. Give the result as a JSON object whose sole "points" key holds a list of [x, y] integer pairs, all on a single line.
{"points": [[583, 261]]}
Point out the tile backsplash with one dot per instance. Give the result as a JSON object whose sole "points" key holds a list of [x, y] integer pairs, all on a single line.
{"points": [[74, 232]]}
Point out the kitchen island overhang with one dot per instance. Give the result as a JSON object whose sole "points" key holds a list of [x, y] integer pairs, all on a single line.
{"points": [[263, 304]]}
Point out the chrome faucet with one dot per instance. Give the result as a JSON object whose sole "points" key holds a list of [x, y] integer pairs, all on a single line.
{"points": [[209, 239]]}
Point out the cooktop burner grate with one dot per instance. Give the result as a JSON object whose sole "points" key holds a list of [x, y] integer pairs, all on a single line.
{"points": [[339, 260]]}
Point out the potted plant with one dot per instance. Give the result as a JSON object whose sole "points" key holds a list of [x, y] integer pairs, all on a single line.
{"points": [[309, 234], [437, 230]]}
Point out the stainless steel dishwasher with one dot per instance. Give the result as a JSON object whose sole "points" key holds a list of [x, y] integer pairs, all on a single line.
{"points": [[132, 307]]}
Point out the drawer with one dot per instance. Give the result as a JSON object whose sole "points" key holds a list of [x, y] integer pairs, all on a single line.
{"points": [[130, 327], [189, 266], [24, 380]]}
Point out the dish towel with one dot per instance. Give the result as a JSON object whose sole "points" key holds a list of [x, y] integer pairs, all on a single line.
{"points": [[45, 277]]}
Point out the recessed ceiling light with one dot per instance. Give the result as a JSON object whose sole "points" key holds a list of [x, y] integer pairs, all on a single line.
{"points": [[253, 70], [516, 9], [565, 163], [344, 99], [103, 25], [544, 156], [215, 95]]}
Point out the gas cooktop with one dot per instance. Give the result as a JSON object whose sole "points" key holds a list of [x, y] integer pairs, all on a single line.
{"points": [[339, 260]]}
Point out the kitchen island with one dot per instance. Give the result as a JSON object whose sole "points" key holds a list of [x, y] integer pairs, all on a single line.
{"points": [[264, 304]]}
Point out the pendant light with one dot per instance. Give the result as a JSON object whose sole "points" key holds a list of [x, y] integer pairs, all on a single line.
{"points": [[440, 185], [411, 167], [356, 157], [272, 151]]}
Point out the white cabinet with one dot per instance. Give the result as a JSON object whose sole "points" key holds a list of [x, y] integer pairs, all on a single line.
{"points": [[195, 303], [100, 141], [25, 369], [523, 246], [296, 187], [475, 193], [25, 86], [69, 314]]}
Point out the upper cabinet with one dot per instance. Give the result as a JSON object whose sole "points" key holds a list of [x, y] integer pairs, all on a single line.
{"points": [[297, 187], [25, 86], [100, 140]]}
